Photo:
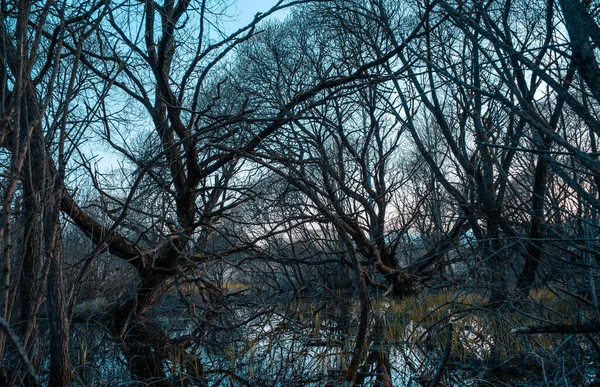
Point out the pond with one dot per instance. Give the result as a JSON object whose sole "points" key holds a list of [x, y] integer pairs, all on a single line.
{"points": [[418, 341]]}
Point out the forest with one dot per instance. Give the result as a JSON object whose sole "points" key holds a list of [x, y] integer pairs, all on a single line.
{"points": [[338, 193]]}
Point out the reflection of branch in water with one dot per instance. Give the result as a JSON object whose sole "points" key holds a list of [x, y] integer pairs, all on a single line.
{"points": [[378, 356], [447, 349]]}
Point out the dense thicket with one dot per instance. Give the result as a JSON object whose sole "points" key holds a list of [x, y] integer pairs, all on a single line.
{"points": [[153, 163]]}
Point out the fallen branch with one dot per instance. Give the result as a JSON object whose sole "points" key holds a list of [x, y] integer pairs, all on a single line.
{"points": [[591, 327]]}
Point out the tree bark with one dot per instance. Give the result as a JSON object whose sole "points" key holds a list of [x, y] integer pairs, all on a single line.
{"points": [[60, 360]]}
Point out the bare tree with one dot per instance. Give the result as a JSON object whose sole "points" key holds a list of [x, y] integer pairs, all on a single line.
{"points": [[35, 133], [195, 130]]}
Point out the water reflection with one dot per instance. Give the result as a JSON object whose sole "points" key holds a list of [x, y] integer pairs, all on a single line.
{"points": [[307, 342]]}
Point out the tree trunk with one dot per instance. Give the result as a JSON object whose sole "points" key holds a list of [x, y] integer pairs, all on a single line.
{"points": [[533, 255], [31, 252], [60, 361], [363, 326], [145, 345]]}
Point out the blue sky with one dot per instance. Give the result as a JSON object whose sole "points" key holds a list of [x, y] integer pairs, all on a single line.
{"points": [[246, 9]]}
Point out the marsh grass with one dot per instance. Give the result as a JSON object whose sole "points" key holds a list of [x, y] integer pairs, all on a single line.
{"points": [[190, 287], [313, 339], [480, 333]]}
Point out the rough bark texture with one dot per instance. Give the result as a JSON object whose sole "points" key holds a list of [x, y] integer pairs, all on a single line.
{"points": [[60, 359]]}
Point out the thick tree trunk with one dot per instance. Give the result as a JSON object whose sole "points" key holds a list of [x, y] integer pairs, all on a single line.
{"points": [[145, 345], [60, 361], [31, 251], [363, 326]]}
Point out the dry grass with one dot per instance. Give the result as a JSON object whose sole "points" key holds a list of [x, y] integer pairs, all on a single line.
{"points": [[480, 333]]}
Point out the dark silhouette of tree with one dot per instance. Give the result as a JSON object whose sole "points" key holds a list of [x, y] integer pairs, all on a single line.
{"points": [[355, 149]]}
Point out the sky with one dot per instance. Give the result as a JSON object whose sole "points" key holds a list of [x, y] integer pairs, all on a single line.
{"points": [[246, 9]]}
